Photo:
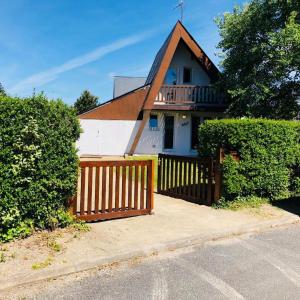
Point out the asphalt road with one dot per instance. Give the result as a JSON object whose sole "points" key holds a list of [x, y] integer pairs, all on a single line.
{"points": [[261, 266]]}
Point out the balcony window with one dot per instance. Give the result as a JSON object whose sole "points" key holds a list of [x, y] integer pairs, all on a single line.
{"points": [[187, 75], [171, 77]]}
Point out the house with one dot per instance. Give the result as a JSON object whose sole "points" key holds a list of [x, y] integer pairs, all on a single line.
{"points": [[160, 113]]}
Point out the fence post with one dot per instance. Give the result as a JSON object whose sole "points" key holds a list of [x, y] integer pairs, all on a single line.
{"points": [[218, 175]]}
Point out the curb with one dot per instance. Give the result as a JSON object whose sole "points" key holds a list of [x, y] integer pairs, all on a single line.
{"points": [[146, 252]]}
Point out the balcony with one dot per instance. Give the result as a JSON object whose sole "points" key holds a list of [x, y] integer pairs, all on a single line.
{"points": [[189, 96]]}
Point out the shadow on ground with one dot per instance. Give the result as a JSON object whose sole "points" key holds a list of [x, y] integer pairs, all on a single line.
{"points": [[291, 205]]}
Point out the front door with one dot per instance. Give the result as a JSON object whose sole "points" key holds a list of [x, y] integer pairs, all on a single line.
{"points": [[169, 132]]}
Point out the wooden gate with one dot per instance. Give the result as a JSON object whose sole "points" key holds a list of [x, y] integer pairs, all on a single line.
{"points": [[190, 178], [114, 189]]}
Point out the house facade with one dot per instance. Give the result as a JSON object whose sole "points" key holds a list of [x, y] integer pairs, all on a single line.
{"points": [[162, 115]]}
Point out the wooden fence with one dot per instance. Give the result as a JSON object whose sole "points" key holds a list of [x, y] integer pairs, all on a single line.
{"points": [[190, 178], [114, 189]]}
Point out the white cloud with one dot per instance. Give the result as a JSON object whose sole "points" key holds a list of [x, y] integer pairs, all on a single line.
{"points": [[51, 74]]}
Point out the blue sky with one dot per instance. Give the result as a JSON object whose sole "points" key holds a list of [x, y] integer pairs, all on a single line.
{"points": [[62, 47]]}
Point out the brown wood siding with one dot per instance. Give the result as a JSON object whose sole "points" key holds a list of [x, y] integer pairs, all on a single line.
{"points": [[126, 107]]}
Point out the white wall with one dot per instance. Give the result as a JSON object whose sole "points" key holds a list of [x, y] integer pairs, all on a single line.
{"points": [[106, 137], [110, 137], [182, 58], [151, 142]]}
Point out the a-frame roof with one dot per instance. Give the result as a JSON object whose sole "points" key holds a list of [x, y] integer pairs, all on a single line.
{"points": [[164, 57], [204, 60]]}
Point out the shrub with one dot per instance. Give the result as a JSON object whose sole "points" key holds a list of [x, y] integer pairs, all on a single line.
{"points": [[268, 150], [38, 162]]}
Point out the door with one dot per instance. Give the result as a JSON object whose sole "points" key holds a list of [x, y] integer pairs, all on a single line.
{"points": [[169, 132], [194, 132]]}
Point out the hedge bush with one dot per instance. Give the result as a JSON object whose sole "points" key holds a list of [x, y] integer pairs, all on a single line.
{"points": [[268, 150], [38, 162]]}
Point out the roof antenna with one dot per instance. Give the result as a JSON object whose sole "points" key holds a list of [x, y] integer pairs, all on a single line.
{"points": [[181, 5]]}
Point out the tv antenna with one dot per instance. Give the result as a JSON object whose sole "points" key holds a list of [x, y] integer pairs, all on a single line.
{"points": [[181, 5]]}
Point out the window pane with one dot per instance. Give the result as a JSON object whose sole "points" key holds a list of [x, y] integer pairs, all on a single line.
{"points": [[153, 123], [171, 77], [187, 75]]}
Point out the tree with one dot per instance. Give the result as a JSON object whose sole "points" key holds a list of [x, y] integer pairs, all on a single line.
{"points": [[85, 102], [2, 91], [261, 58]]}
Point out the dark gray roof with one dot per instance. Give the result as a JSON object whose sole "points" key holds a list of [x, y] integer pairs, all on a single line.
{"points": [[158, 59]]}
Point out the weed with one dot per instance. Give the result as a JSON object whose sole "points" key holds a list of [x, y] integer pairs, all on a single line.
{"points": [[2, 257], [241, 203], [53, 245], [81, 226], [44, 264]]}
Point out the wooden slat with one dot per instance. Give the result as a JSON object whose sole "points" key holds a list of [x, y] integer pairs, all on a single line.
{"points": [[189, 192], [176, 176], [103, 202], [90, 190], [158, 173], [203, 182], [199, 184], [97, 179], [142, 191], [163, 171], [113, 163], [194, 179], [82, 191], [117, 193], [124, 183], [110, 189], [115, 215], [150, 186], [130, 187], [171, 175], [180, 188], [209, 182], [167, 173], [136, 187]]}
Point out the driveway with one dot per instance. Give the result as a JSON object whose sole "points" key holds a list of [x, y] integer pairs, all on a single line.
{"points": [[261, 266]]}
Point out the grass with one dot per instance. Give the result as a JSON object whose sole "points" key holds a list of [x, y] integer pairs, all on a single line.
{"points": [[241, 203], [44, 264]]}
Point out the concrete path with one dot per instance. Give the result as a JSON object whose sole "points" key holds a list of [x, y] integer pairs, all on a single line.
{"points": [[176, 223], [261, 266]]}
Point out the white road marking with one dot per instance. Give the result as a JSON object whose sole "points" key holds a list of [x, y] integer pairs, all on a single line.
{"points": [[216, 282], [278, 264], [160, 286]]}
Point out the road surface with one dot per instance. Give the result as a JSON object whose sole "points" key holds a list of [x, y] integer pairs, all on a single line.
{"points": [[260, 266]]}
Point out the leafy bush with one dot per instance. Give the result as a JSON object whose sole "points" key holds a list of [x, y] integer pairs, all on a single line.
{"points": [[38, 162], [268, 150]]}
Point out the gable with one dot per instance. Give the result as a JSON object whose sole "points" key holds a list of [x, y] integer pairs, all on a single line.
{"points": [[184, 58], [164, 58]]}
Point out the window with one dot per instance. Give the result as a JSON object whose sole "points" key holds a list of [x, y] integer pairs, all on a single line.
{"points": [[171, 77], [153, 122], [187, 75]]}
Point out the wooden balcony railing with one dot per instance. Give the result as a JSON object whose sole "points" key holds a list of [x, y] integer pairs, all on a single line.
{"points": [[190, 94]]}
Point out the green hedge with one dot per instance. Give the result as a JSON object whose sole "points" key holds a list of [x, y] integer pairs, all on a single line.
{"points": [[268, 150], [38, 162]]}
